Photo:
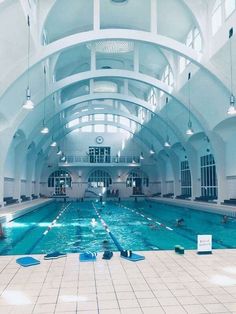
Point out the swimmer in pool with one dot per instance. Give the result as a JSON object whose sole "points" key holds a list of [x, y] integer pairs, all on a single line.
{"points": [[152, 226], [225, 219], [93, 222], [179, 222]]}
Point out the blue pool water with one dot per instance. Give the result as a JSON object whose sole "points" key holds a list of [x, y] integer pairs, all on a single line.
{"points": [[137, 226]]}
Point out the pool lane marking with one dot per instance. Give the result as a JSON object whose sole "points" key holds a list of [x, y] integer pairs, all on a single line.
{"points": [[101, 220], [55, 220], [47, 230], [117, 244], [148, 218]]}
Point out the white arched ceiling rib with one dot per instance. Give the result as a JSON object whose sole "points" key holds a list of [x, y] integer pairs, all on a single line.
{"points": [[63, 132], [136, 76], [57, 129], [135, 35], [161, 41], [95, 96], [197, 10]]}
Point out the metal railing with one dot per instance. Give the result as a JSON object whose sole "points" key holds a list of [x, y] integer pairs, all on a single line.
{"points": [[101, 159]]}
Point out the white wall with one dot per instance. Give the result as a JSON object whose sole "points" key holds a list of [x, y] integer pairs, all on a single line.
{"points": [[8, 187]]}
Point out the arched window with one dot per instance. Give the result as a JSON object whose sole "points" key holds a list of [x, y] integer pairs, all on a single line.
{"points": [[137, 180], [59, 180], [216, 17], [152, 98], [186, 186], [99, 178], [167, 76], [193, 41]]}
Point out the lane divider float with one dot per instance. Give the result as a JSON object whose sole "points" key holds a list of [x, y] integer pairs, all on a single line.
{"points": [[55, 220], [148, 218], [119, 247]]}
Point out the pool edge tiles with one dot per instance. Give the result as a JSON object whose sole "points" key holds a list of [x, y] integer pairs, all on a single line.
{"points": [[207, 207], [15, 211]]}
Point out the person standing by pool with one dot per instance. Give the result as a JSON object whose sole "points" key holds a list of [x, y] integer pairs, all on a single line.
{"points": [[2, 236]]}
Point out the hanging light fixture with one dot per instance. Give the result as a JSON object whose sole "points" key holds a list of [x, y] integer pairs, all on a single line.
{"points": [[59, 152], [53, 142], [167, 141], [152, 150], [63, 158], [189, 130], [231, 109], [45, 129], [141, 156], [28, 104]]}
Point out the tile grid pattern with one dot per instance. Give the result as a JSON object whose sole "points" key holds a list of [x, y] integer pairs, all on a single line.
{"points": [[163, 283]]}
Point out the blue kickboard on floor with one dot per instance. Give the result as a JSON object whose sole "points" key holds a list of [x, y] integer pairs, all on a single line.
{"points": [[27, 261], [134, 257], [87, 257], [54, 255]]}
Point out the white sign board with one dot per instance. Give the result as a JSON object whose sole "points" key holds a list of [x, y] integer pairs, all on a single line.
{"points": [[204, 244]]}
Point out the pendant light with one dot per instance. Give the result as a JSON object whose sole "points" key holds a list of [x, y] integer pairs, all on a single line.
{"points": [[63, 158], [59, 152], [28, 104], [141, 156], [44, 129], [53, 142], [231, 109], [152, 150], [167, 141], [189, 130]]}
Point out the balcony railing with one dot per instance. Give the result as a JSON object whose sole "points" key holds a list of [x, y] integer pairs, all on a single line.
{"points": [[70, 160]]}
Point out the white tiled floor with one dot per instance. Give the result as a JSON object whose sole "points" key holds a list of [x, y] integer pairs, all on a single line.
{"points": [[163, 283]]}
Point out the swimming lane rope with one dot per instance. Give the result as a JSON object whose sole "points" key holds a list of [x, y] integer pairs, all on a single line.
{"points": [[61, 212], [117, 244], [148, 218], [48, 229]]}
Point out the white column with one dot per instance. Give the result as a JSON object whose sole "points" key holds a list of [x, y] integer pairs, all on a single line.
{"points": [[96, 14], [153, 17], [37, 188], [1, 189], [17, 189], [136, 58], [91, 86], [193, 161], [126, 87], [28, 188], [93, 58]]}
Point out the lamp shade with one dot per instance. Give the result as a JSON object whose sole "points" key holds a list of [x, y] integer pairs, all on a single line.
{"points": [[28, 104]]}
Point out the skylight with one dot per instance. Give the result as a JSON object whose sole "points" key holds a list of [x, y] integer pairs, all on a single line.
{"points": [[72, 123], [112, 46], [105, 87]]}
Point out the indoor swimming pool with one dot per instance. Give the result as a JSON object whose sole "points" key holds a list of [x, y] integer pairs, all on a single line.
{"points": [[143, 225]]}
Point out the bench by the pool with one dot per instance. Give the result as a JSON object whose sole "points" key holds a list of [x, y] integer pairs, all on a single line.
{"points": [[8, 200]]}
